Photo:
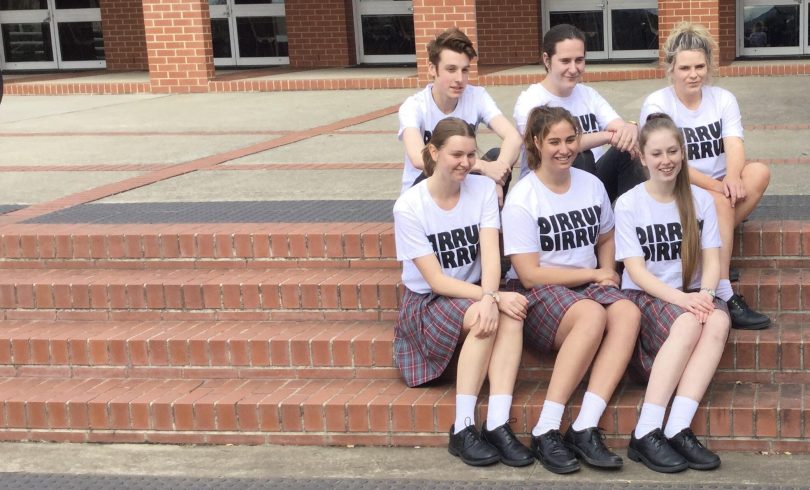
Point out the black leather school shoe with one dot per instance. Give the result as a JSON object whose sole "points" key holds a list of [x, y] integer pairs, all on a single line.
{"points": [[469, 446], [743, 317], [512, 451], [588, 445], [696, 454], [655, 452], [552, 453]]}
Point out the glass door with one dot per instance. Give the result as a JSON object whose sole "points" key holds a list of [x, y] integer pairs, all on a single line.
{"points": [[614, 29], [767, 28], [385, 31], [249, 32], [51, 34]]}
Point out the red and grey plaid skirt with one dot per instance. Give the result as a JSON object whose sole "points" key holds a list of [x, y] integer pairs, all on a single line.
{"points": [[657, 317], [548, 305], [426, 335]]}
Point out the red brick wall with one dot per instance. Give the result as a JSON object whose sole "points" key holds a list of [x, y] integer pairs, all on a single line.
{"points": [[320, 33], [508, 32], [124, 42], [430, 17], [673, 12], [728, 31], [178, 44]]}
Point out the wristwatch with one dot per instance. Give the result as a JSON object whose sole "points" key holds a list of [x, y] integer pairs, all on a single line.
{"points": [[494, 294], [711, 292]]}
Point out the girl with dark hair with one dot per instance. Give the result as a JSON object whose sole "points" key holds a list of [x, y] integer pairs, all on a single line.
{"points": [[564, 60], [710, 119], [558, 232], [667, 236], [446, 230]]}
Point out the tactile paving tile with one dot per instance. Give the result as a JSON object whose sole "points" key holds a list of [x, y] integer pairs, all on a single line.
{"points": [[225, 212]]}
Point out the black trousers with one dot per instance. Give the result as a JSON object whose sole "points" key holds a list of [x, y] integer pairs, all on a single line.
{"points": [[617, 171]]}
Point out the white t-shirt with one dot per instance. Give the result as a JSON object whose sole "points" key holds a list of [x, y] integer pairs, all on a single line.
{"points": [[421, 112], [703, 129], [562, 228], [585, 103], [651, 229], [422, 228]]}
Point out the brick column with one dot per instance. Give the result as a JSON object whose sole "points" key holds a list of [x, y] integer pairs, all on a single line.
{"points": [[320, 33], [124, 38], [728, 32], [706, 12], [508, 32], [430, 17], [179, 46]]}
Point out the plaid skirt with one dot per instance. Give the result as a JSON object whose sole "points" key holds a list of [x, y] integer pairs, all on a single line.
{"points": [[548, 305], [657, 317], [426, 335]]}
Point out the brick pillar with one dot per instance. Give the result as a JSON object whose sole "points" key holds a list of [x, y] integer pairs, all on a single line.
{"points": [[179, 46], [430, 17], [319, 33], [728, 32], [673, 12], [124, 38], [508, 32]]}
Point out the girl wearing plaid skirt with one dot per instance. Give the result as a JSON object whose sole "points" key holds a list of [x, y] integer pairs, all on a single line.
{"points": [[446, 230], [558, 230], [667, 235]]}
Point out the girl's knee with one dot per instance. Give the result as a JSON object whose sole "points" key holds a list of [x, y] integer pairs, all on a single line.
{"points": [[686, 329], [757, 174], [624, 316]]}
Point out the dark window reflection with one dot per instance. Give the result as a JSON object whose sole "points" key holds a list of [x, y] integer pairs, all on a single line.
{"points": [[261, 37], [77, 4], [635, 29], [256, 2], [771, 26], [591, 23], [388, 35], [221, 36], [81, 41], [23, 4], [27, 42]]}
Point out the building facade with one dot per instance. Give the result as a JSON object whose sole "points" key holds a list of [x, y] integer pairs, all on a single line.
{"points": [[181, 42]]}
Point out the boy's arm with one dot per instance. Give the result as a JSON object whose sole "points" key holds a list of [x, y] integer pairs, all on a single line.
{"points": [[412, 139], [510, 150]]}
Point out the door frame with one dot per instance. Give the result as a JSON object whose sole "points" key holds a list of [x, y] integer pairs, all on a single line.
{"points": [[379, 7], [802, 49], [230, 11]]}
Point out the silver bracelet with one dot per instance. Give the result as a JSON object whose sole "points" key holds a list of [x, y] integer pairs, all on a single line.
{"points": [[709, 291]]}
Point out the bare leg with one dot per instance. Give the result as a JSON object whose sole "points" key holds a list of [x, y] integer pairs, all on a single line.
{"points": [[671, 359], [755, 177], [623, 318], [705, 358], [506, 353], [473, 360]]}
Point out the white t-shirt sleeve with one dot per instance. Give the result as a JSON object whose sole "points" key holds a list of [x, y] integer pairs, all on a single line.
{"points": [[409, 234], [710, 236], [603, 111], [487, 108], [607, 220], [730, 110], [519, 230], [490, 215], [651, 105], [410, 115], [523, 106], [627, 244]]}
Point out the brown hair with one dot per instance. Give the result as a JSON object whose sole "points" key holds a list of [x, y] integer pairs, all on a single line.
{"points": [[559, 33], [454, 40], [690, 241], [539, 124], [688, 37], [447, 128]]}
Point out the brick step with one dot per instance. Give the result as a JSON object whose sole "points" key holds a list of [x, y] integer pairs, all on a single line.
{"points": [[782, 243], [86, 245], [270, 294], [776, 290], [741, 416], [339, 350]]}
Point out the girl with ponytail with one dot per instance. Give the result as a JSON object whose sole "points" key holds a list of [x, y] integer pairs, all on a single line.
{"points": [[446, 230], [667, 236]]}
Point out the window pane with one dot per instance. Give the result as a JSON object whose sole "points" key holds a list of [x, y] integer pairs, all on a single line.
{"points": [[27, 42], [635, 29], [256, 2], [591, 23], [23, 4], [221, 36], [77, 4], [81, 41], [771, 26], [261, 37], [388, 34]]}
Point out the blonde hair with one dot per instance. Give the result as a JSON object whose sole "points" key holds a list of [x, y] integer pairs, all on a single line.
{"points": [[446, 129], [690, 241], [687, 36], [539, 124]]}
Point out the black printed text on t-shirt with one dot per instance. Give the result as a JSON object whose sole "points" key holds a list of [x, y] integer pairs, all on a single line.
{"points": [[704, 141], [588, 123], [569, 230], [456, 248], [662, 242]]}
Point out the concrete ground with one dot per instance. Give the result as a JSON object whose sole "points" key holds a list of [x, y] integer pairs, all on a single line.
{"points": [[312, 146]]}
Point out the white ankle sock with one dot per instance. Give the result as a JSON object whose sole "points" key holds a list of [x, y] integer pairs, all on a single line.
{"points": [[650, 418], [498, 410], [724, 290], [465, 412], [680, 415], [550, 418], [593, 406]]}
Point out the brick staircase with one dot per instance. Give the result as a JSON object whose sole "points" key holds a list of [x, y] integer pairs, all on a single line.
{"points": [[282, 333]]}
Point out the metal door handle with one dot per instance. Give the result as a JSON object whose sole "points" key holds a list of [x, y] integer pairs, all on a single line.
{"points": [[47, 19]]}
